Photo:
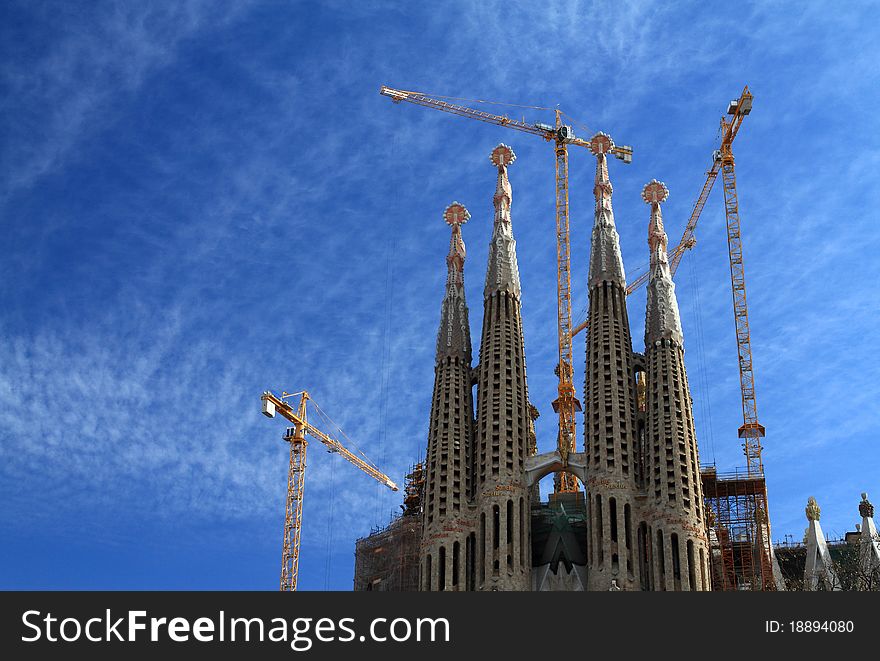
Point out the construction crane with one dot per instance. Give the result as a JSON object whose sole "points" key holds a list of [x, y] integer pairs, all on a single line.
{"points": [[561, 136], [297, 472], [751, 431]]}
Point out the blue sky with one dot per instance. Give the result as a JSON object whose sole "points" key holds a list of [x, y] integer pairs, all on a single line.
{"points": [[203, 200]]}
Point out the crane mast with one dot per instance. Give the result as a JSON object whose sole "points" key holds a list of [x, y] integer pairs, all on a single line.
{"points": [[566, 404], [751, 431], [296, 473], [293, 511]]}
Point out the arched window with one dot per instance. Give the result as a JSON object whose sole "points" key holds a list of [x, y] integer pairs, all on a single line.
{"points": [[482, 559], [661, 559], [692, 566]]}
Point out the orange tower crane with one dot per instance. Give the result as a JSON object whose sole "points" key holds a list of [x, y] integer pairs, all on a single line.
{"points": [[561, 136], [751, 431], [297, 472]]}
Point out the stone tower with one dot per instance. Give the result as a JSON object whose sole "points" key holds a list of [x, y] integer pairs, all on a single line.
{"points": [[641, 525], [447, 539], [609, 401], [503, 412], [673, 516]]}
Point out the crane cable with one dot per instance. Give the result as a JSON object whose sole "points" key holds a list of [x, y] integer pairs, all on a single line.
{"points": [[492, 103], [329, 549], [702, 372], [385, 367], [586, 128], [349, 444]]}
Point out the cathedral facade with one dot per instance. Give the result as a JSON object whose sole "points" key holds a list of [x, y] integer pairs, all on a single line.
{"points": [[640, 523]]}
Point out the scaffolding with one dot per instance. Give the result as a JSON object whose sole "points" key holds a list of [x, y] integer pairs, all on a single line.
{"points": [[739, 530], [388, 558]]}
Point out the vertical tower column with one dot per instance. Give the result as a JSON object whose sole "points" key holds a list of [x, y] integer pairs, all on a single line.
{"points": [[609, 401], [503, 411], [674, 489], [447, 547]]}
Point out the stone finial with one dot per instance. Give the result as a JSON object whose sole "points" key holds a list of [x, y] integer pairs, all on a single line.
{"points": [[710, 517], [866, 509], [655, 192], [601, 143], [812, 509], [456, 214], [502, 156]]}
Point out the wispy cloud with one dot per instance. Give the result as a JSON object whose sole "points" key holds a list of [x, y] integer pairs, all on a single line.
{"points": [[83, 75]]}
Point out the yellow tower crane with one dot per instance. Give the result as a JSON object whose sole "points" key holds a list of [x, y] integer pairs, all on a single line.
{"points": [[561, 136], [751, 431], [297, 472]]}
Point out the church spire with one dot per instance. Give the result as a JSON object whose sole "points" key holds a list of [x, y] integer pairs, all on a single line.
{"points": [[662, 320], [606, 262], [673, 487], [450, 431], [610, 440], [453, 337], [502, 274], [502, 440]]}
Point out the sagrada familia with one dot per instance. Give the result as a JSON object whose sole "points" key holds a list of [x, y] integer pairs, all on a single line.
{"points": [[639, 523]]}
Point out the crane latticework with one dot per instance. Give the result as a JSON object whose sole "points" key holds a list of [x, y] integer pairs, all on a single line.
{"points": [[296, 475], [751, 430], [293, 512], [566, 405]]}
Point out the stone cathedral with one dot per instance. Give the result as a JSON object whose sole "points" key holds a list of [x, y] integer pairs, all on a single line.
{"points": [[639, 522]]}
